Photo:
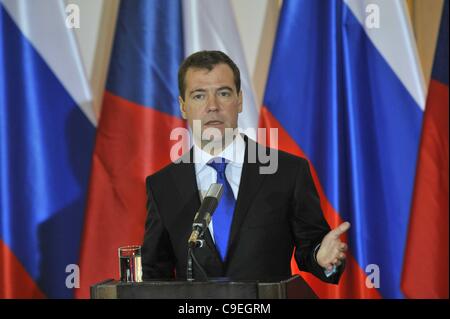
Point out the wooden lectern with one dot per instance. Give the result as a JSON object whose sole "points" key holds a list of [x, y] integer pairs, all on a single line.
{"points": [[292, 288]]}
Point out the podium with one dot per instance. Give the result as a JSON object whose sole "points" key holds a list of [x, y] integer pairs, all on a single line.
{"points": [[291, 288]]}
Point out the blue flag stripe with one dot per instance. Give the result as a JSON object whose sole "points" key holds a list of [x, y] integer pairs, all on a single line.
{"points": [[145, 59], [440, 66]]}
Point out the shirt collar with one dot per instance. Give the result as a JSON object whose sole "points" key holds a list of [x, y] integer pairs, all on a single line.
{"points": [[233, 153]]}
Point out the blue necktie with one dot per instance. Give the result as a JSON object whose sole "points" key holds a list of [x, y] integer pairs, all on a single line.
{"points": [[223, 215]]}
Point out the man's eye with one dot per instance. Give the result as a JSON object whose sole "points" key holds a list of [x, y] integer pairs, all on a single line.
{"points": [[198, 96], [225, 93]]}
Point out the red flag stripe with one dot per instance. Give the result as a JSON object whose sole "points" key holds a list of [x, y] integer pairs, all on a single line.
{"points": [[16, 282], [132, 142], [426, 259]]}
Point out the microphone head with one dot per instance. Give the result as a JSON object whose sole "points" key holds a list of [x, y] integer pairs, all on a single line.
{"points": [[211, 201], [203, 216], [215, 190], [209, 204]]}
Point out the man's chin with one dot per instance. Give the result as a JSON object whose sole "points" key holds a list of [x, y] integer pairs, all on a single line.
{"points": [[215, 137], [216, 131], [212, 133], [217, 141]]}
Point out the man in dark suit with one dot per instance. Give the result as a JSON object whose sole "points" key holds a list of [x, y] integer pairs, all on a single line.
{"points": [[261, 217]]}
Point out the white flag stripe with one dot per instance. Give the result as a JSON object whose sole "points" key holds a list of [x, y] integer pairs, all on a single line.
{"points": [[62, 57], [211, 25], [395, 42]]}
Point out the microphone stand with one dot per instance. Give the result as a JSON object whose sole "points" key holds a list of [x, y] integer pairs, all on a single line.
{"points": [[191, 258], [189, 274]]}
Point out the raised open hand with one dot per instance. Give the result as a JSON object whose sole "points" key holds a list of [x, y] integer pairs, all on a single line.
{"points": [[332, 250]]}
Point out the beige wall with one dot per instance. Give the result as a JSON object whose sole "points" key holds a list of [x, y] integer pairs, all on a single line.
{"points": [[425, 17], [256, 19]]}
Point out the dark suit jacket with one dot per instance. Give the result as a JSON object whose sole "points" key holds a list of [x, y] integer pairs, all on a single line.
{"points": [[274, 213]]}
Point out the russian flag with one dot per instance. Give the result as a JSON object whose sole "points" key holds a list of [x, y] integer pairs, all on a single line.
{"points": [[140, 109], [426, 261], [47, 133], [345, 91]]}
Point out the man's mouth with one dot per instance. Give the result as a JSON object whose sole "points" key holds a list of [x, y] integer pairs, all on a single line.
{"points": [[213, 123]]}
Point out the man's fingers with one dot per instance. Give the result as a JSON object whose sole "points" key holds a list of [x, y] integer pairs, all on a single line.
{"points": [[342, 228], [337, 260], [343, 247]]}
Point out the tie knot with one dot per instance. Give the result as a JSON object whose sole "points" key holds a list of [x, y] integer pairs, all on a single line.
{"points": [[219, 164]]}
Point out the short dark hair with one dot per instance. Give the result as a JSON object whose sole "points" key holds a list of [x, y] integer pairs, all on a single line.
{"points": [[206, 60]]}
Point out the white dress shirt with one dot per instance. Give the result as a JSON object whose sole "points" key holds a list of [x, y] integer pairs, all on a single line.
{"points": [[206, 175]]}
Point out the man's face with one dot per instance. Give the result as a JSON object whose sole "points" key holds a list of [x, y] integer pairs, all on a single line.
{"points": [[211, 97]]}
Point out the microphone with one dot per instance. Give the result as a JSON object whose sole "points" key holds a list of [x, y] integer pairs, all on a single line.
{"points": [[203, 216]]}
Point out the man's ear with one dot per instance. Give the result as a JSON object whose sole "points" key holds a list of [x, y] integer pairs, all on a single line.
{"points": [[182, 107], [240, 97]]}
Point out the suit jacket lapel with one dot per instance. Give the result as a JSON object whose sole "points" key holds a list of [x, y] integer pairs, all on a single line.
{"points": [[250, 181], [185, 182]]}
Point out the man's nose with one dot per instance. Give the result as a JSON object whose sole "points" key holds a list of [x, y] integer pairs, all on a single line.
{"points": [[212, 103]]}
